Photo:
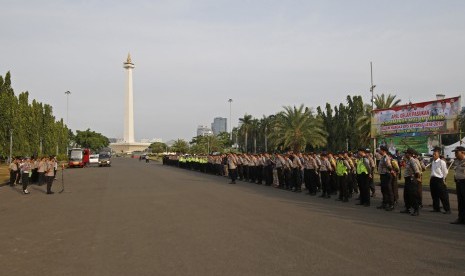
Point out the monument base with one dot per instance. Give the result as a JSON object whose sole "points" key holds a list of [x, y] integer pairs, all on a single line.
{"points": [[128, 147]]}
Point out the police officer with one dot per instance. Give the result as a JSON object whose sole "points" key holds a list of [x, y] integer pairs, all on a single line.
{"points": [[350, 177], [26, 168], [364, 173], [325, 171], [296, 173], [268, 169], [41, 170], [316, 174], [437, 183], [371, 182], [49, 174], [14, 170], [385, 172], [394, 174], [411, 176], [309, 170], [280, 164], [232, 167], [333, 176], [342, 172], [459, 178], [288, 172]]}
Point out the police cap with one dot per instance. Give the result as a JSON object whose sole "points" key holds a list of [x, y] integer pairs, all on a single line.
{"points": [[383, 148], [410, 151], [459, 148]]}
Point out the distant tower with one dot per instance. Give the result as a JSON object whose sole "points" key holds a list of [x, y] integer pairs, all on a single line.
{"points": [[129, 103]]}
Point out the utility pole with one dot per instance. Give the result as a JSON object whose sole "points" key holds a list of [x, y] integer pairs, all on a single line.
{"points": [[372, 89]]}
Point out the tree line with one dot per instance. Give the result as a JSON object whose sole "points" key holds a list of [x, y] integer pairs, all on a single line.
{"points": [[332, 128], [300, 128], [296, 128], [34, 128]]}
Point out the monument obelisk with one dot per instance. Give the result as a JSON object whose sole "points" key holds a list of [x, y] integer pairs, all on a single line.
{"points": [[128, 144], [129, 103]]}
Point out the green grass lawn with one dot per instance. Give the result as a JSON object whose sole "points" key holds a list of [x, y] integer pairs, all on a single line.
{"points": [[4, 174], [426, 176]]}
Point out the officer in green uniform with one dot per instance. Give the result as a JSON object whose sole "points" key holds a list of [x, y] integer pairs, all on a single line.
{"points": [[342, 172], [364, 173]]}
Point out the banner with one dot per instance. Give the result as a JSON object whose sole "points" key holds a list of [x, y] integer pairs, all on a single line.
{"points": [[417, 119], [422, 144]]}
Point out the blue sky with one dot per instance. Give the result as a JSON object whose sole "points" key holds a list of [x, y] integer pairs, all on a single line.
{"points": [[192, 56]]}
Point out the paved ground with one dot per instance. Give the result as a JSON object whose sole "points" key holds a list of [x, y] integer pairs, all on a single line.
{"points": [[146, 219]]}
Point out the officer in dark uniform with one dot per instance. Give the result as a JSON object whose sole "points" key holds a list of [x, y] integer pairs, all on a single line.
{"points": [[459, 178]]}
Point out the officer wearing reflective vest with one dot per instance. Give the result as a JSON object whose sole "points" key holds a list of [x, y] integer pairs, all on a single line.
{"points": [[342, 171], [364, 173]]}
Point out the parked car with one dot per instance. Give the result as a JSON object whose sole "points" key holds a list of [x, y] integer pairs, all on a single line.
{"points": [[104, 160], [93, 159], [426, 158]]}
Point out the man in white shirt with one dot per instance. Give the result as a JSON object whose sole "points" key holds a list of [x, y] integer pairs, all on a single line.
{"points": [[437, 182]]}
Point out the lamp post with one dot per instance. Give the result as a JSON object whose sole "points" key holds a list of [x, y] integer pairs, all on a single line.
{"points": [[372, 89], [67, 107], [230, 121], [67, 93]]}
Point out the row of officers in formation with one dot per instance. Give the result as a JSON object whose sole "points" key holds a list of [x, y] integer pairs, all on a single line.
{"points": [[25, 171], [342, 174]]}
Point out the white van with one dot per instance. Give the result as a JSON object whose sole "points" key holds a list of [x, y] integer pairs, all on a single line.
{"points": [[93, 159]]}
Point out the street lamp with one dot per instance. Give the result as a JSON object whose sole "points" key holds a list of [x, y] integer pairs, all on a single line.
{"points": [[67, 118], [372, 89], [67, 107], [230, 121]]}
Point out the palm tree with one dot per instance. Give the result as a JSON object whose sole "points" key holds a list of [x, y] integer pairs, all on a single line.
{"points": [[382, 101], [180, 146], [265, 125], [245, 127], [294, 128], [363, 125], [254, 129]]}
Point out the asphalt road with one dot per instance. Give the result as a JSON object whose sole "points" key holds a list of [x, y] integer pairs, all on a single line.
{"points": [[147, 219]]}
